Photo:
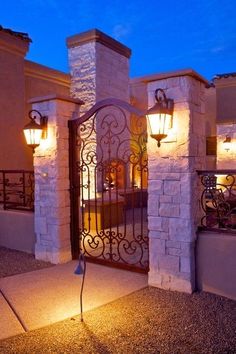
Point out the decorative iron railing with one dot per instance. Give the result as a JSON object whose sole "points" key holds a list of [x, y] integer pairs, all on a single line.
{"points": [[17, 189], [218, 199]]}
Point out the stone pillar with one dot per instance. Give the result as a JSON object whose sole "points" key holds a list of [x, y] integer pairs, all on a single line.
{"points": [[99, 67], [51, 167], [226, 159], [172, 185]]}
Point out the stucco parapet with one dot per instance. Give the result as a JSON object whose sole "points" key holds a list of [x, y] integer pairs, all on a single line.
{"points": [[170, 74], [226, 128], [227, 81], [95, 35], [45, 73], [13, 44], [53, 97]]}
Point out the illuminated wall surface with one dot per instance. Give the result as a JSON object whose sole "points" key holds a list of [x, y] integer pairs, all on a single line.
{"points": [[21, 80], [100, 69]]}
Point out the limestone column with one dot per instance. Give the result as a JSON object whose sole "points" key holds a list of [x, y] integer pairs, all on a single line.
{"points": [[51, 167], [99, 67], [172, 184]]}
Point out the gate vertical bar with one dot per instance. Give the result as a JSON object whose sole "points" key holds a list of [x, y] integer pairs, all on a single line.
{"points": [[74, 176]]}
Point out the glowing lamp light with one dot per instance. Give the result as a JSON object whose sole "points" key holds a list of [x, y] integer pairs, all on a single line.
{"points": [[227, 143], [160, 116], [33, 131]]}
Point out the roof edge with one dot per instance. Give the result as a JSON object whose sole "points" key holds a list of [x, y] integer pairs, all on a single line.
{"points": [[55, 97], [170, 74], [46, 73], [21, 35]]}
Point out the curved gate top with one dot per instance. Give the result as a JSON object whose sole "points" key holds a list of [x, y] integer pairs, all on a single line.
{"points": [[108, 185]]}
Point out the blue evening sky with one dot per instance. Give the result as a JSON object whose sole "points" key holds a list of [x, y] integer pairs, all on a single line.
{"points": [[164, 35]]}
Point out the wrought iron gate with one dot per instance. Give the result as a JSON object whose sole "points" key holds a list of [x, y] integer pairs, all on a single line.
{"points": [[108, 185]]}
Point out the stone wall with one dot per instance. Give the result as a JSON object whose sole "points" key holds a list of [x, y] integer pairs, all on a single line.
{"points": [[172, 185]]}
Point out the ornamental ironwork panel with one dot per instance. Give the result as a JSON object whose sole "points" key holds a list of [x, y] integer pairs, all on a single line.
{"points": [[108, 185], [17, 189], [218, 199]]}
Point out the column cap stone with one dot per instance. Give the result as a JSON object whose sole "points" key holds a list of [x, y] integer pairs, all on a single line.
{"points": [[95, 35], [55, 97], [170, 74]]}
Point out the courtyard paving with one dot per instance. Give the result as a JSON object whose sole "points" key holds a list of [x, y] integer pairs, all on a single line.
{"points": [[147, 321], [40, 313]]}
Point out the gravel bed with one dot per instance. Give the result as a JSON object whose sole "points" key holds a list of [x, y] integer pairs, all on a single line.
{"points": [[148, 321], [15, 262]]}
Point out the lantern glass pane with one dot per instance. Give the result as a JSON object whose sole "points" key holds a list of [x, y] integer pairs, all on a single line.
{"points": [[33, 136], [159, 123], [227, 145]]}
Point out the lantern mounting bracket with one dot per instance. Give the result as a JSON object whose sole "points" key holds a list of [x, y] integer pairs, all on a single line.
{"points": [[43, 121]]}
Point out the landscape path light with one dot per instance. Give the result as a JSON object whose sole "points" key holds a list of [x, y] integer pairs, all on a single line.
{"points": [[160, 116], [81, 270], [34, 131]]}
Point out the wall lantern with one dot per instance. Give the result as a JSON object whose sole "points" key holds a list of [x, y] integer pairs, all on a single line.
{"points": [[227, 143], [160, 116], [34, 131]]}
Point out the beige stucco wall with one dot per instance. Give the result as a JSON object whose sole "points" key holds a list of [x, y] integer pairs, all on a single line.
{"points": [[12, 98], [21, 80], [210, 118], [225, 96], [226, 120], [216, 263], [17, 230]]}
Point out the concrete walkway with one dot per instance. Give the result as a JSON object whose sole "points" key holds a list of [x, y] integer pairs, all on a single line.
{"points": [[40, 298]]}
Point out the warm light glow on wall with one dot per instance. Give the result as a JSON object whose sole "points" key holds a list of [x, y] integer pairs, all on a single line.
{"points": [[48, 142], [227, 144], [226, 148]]}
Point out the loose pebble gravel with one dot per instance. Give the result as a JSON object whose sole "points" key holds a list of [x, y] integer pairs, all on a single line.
{"points": [[14, 262], [148, 321]]}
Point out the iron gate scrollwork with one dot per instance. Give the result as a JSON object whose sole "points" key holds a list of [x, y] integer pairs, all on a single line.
{"points": [[108, 185]]}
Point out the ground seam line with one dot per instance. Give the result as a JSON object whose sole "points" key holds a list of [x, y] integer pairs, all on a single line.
{"points": [[13, 310]]}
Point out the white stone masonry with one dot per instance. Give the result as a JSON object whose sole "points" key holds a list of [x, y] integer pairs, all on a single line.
{"points": [[172, 186], [51, 167]]}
